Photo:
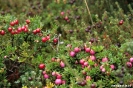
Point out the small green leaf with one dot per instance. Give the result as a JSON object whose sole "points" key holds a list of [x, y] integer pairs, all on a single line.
{"points": [[97, 48], [22, 59], [91, 62]]}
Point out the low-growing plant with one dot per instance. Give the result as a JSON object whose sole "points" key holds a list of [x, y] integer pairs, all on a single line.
{"points": [[70, 44]]}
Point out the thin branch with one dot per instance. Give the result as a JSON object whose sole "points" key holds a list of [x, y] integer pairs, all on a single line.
{"points": [[52, 47], [88, 11]]}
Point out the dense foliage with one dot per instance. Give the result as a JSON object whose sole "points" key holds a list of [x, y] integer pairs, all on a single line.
{"points": [[66, 44]]}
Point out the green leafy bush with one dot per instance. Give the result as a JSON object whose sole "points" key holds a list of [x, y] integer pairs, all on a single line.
{"points": [[69, 44]]}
